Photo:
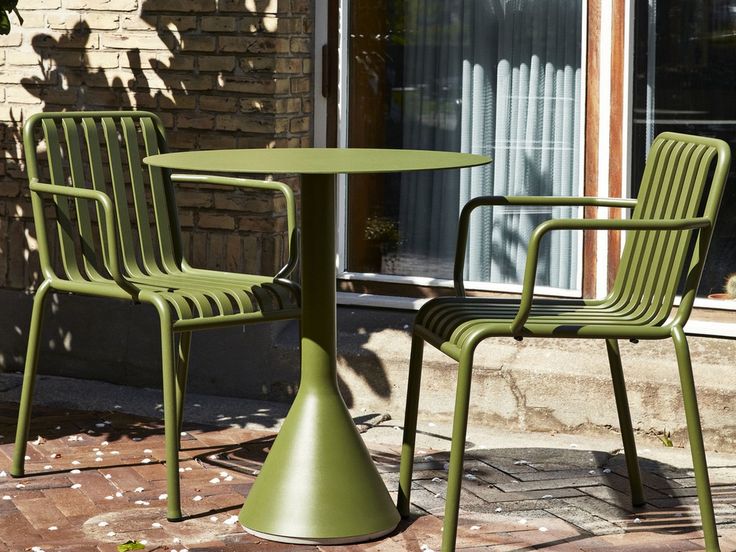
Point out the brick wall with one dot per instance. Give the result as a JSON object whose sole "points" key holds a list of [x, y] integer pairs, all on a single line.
{"points": [[221, 73]]}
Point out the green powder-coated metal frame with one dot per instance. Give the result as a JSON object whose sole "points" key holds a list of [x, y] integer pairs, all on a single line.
{"points": [[116, 227], [668, 236], [318, 484]]}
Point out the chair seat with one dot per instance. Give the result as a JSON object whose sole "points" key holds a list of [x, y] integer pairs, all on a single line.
{"points": [[202, 294], [449, 322]]}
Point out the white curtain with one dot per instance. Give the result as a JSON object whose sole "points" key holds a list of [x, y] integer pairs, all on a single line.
{"points": [[501, 78]]}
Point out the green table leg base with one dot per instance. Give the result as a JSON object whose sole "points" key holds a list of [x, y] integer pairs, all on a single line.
{"points": [[318, 483], [317, 542]]}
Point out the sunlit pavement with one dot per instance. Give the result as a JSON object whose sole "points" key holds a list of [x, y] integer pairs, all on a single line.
{"points": [[98, 481]]}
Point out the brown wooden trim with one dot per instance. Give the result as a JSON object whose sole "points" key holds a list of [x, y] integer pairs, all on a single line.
{"points": [[592, 119], [615, 167], [332, 70]]}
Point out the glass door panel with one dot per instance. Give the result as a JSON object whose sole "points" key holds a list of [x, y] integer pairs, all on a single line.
{"points": [[503, 79], [684, 81]]}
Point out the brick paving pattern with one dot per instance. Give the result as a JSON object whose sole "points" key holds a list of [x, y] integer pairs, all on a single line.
{"points": [[98, 480]]}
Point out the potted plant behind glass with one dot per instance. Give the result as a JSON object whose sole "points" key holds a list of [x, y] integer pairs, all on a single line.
{"points": [[729, 289], [7, 6], [383, 234]]}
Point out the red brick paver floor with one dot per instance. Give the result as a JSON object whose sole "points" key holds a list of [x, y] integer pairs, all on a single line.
{"points": [[98, 480]]}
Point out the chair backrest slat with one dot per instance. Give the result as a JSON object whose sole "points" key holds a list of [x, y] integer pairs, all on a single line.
{"points": [[64, 226], [162, 197], [140, 201], [76, 170]]}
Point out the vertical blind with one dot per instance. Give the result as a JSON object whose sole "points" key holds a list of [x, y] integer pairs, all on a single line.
{"points": [[501, 78]]}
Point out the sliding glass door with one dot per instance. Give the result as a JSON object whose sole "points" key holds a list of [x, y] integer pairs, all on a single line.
{"points": [[503, 78], [684, 81]]}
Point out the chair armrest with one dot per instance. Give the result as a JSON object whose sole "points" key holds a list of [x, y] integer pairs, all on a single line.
{"points": [[292, 242], [530, 270], [108, 222], [521, 201]]}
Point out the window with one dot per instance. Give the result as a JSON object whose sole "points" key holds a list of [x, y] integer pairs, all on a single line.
{"points": [[504, 79], [684, 78]]}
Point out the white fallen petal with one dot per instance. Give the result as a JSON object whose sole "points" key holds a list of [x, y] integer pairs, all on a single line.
{"points": [[27, 457], [99, 425], [108, 476], [104, 443], [196, 498], [102, 524], [98, 459], [232, 520], [77, 486], [119, 494], [53, 528], [498, 510], [522, 521], [75, 462], [156, 525], [547, 496], [111, 534], [229, 478], [521, 462], [146, 461], [138, 490], [137, 439], [163, 496], [543, 529], [187, 469], [20, 486], [143, 542], [75, 471], [607, 470], [147, 451], [3, 474], [223, 474], [215, 480], [109, 497], [114, 452], [7, 497], [470, 476], [637, 520], [99, 453], [213, 518], [48, 467], [474, 527]]}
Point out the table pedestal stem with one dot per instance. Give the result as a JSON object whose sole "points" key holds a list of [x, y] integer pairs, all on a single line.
{"points": [[318, 484]]}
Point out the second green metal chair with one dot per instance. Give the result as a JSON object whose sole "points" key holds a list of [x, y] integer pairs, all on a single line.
{"points": [[668, 236]]}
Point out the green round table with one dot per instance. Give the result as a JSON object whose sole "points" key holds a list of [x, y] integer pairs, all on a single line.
{"points": [[318, 484]]}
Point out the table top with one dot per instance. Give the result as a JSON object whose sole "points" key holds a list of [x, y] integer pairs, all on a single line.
{"points": [[315, 160]]}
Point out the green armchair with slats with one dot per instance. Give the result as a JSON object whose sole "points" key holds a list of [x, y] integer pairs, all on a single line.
{"points": [[114, 223], [668, 235]]}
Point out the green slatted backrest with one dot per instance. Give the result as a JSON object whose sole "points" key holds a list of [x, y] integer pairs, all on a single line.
{"points": [[103, 151], [680, 171]]}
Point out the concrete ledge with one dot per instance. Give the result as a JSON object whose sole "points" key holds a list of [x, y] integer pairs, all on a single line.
{"points": [[536, 385]]}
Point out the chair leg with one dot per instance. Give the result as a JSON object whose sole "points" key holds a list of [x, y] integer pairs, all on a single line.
{"points": [[171, 421], [695, 435], [182, 372], [29, 381], [624, 420], [457, 449], [410, 425]]}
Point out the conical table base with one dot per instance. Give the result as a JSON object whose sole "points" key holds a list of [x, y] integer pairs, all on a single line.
{"points": [[319, 484]]}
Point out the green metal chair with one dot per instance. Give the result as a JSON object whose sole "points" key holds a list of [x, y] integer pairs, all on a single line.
{"points": [[667, 240], [115, 224]]}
